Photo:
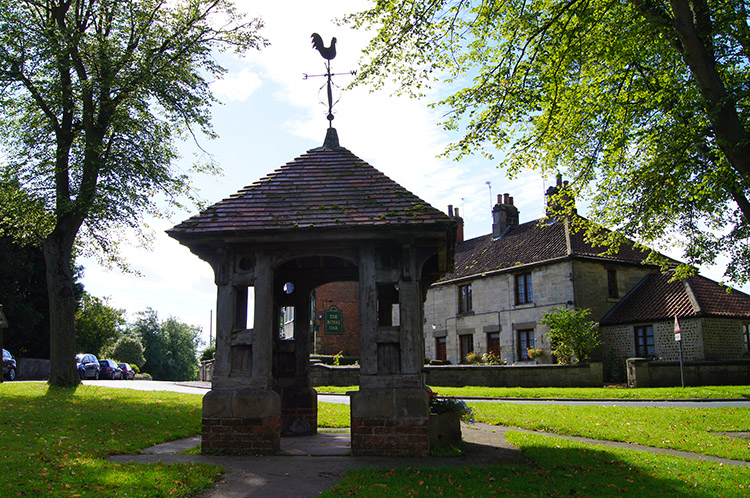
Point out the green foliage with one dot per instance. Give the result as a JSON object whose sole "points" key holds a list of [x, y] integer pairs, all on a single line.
{"points": [[23, 294], [572, 338], [170, 347], [643, 105], [93, 95], [128, 349], [97, 324], [491, 358], [444, 404], [73, 433], [473, 358], [209, 353]]}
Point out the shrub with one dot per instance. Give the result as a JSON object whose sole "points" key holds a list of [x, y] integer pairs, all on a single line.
{"points": [[491, 358], [571, 336], [474, 358], [450, 404]]}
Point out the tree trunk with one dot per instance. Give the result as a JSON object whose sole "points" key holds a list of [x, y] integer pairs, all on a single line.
{"points": [[62, 307]]}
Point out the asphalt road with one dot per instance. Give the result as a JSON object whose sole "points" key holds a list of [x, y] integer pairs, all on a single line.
{"points": [[202, 388]]}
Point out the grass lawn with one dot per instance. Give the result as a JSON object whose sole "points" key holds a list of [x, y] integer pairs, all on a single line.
{"points": [[555, 467], [687, 429], [55, 442], [703, 392]]}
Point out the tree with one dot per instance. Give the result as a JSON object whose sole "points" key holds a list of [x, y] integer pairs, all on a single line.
{"points": [[92, 94], [97, 324], [571, 336], [170, 347], [642, 103], [128, 349]]}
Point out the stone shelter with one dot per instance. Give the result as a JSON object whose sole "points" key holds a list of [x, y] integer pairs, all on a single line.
{"points": [[326, 216]]}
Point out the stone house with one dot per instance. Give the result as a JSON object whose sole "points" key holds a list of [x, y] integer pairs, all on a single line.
{"points": [[714, 321], [506, 281]]}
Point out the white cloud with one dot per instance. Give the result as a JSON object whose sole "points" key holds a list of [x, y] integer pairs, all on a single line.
{"points": [[237, 86]]}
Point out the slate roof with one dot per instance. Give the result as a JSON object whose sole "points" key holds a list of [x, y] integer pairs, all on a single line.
{"points": [[655, 298], [328, 187], [528, 243]]}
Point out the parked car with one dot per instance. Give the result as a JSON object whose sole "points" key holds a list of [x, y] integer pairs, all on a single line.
{"points": [[109, 370], [88, 366], [9, 366], [127, 371]]}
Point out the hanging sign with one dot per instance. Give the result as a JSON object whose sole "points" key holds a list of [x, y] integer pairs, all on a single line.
{"points": [[677, 332], [334, 321]]}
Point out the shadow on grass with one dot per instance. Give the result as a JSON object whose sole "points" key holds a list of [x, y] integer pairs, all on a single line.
{"points": [[553, 467]]}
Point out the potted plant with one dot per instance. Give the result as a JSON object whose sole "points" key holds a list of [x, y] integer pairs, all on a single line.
{"points": [[446, 414]]}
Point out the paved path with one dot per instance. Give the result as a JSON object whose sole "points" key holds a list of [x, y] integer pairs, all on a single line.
{"points": [[321, 462]]}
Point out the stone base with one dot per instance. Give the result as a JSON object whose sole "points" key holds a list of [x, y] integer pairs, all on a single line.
{"points": [[299, 411], [241, 422], [241, 436], [390, 422], [383, 437]]}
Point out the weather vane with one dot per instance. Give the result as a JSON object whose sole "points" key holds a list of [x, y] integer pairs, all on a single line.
{"points": [[328, 53]]}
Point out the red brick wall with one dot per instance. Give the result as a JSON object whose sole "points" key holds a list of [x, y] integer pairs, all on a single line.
{"points": [[345, 296]]}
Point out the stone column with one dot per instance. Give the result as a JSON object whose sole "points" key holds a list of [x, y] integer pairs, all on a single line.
{"points": [[390, 412], [241, 414]]}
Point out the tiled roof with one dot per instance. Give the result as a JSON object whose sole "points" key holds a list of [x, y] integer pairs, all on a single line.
{"points": [[532, 242], [328, 187], [655, 298]]}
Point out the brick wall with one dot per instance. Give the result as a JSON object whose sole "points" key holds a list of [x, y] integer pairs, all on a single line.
{"points": [[386, 436], [345, 296], [241, 436]]}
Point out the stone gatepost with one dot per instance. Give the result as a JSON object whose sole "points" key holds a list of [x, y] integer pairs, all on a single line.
{"points": [[390, 412], [242, 413]]}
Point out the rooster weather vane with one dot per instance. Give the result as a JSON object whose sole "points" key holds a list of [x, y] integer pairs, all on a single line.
{"points": [[328, 53]]}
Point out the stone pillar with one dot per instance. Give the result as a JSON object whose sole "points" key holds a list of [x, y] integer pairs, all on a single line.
{"points": [[390, 412], [299, 401], [241, 414]]}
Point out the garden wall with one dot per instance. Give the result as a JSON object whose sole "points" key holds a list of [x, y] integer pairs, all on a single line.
{"points": [[32, 369], [587, 375], [643, 372]]}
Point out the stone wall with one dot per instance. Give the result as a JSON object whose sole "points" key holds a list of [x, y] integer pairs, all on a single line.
{"points": [[32, 369], [643, 372], [587, 375], [591, 284], [494, 310], [722, 339], [327, 375]]}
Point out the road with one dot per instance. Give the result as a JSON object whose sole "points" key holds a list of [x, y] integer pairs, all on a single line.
{"points": [[202, 388]]}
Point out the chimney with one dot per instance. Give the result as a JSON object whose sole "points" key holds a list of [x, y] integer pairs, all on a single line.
{"points": [[560, 201], [504, 215], [459, 220]]}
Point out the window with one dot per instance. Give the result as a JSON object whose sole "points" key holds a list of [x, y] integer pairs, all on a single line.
{"points": [[525, 342], [644, 340], [464, 298], [746, 336], [440, 353], [612, 283], [466, 346], [493, 343], [524, 292]]}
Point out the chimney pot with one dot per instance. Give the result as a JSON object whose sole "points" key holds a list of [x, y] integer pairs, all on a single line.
{"points": [[505, 198], [510, 200], [450, 210], [499, 198], [457, 215]]}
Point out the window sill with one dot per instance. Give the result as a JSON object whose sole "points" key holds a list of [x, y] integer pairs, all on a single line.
{"points": [[465, 313], [522, 306]]}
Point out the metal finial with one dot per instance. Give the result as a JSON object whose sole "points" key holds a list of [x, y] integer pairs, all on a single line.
{"points": [[328, 53]]}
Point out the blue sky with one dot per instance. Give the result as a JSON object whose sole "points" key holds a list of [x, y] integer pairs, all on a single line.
{"points": [[269, 116]]}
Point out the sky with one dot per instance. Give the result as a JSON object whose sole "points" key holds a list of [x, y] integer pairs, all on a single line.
{"points": [[270, 115]]}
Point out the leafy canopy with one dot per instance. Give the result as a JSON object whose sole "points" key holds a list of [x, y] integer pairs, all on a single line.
{"points": [[645, 105], [92, 95]]}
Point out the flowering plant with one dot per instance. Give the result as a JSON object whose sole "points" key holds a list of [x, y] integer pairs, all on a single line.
{"points": [[535, 352], [450, 404]]}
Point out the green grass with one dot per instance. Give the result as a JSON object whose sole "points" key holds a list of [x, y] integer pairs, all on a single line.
{"points": [[333, 415], [557, 468], [55, 442], [687, 429], [703, 392]]}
